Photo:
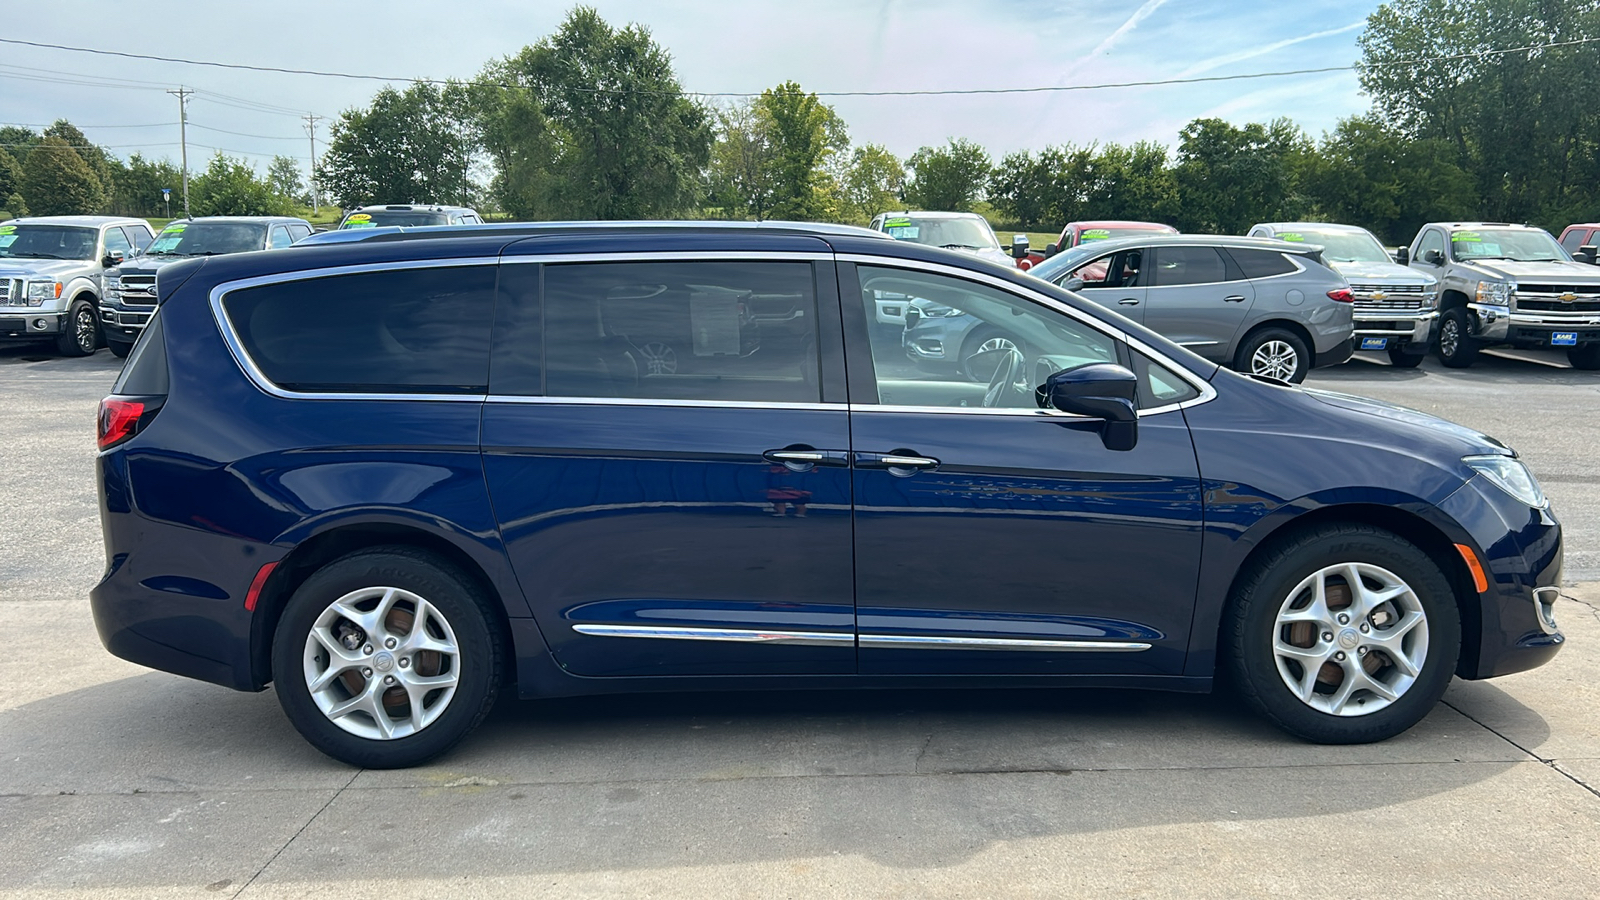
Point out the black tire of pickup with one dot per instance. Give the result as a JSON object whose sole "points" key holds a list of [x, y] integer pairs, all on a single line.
{"points": [[1403, 357], [1458, 349], [1586, 358]]}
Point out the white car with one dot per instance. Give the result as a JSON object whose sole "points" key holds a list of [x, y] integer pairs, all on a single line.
{"points": [[963, 232]]}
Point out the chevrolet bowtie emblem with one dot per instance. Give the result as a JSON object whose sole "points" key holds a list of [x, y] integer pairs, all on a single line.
{"points": [[1568, 297], [1379, 295]]}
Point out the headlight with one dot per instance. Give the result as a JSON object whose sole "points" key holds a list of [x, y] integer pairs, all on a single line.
{"points": [[1496, 293], [1430, 298], [940, 312], [1513, 477], [113, 287], [41, 291]]}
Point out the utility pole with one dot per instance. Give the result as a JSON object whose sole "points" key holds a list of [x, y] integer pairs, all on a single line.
{"points": [[182, 93], [311, 129]]}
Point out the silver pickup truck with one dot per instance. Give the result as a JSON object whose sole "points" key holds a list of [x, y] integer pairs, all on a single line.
{"points": [[52, 272], [1508, 285], [1395, 307]]}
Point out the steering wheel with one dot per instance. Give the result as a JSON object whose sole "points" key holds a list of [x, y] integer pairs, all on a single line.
{"points": [[1009, 381]]}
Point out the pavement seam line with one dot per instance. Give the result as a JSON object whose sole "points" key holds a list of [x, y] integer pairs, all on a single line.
{"points": [[1549, 762], [292, 838]]}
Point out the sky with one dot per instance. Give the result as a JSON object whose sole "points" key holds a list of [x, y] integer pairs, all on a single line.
{"points": [[824, 45]]}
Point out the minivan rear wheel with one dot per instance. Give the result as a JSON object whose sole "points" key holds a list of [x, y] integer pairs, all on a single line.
{"points": [[387, 657], [1345, 634]]}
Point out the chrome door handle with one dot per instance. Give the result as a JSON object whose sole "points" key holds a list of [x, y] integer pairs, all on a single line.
{"points": [[1128, 301], [1233, 299], [902, 464], [804, 459]]}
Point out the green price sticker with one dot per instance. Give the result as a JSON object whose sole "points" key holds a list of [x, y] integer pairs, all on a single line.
{"points": [[1096, 234], [896, 223], [1471, 237], [7, 229], [1292, 236], [174, 229]]}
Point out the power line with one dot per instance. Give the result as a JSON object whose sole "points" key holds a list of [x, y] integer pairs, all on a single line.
{"points": [[908, 93]]}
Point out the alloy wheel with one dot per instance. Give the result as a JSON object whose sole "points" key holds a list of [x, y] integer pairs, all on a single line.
{"points": [[83, 330], [1275, 359], [1350, 639], [381, 663], [659, 359], [1449, 337]]}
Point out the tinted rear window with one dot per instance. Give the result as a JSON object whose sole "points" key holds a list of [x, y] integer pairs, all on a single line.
{"points": [[1261, 263], [145, 372], [1188, 265], [402, 331]]}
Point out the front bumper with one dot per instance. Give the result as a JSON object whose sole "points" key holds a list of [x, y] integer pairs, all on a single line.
{"points": [[124, 323], [24, 324], [1396, 327], [1502, 324]]}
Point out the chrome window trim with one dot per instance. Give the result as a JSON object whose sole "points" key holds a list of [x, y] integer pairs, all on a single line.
{"points": [[266, 386], [672, 256], [930, 642], [733, 635], [645, 401], [1207, 392]]}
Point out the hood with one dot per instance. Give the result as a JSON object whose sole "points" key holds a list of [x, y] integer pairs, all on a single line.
{"points": [[1561, 272], [43, 268], [144, 265], [1381, 273], [1472, 441], [991, 253]]}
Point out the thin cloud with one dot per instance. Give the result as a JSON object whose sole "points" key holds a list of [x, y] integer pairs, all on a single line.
{"points": [[1139, 15], [1218, 62]]}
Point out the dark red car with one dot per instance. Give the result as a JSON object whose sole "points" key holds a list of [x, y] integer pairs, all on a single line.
{"points": [[1082, 233]]}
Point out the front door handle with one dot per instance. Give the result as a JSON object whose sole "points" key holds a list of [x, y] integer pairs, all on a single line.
{"points": [[1128, 301], [804, 459], [901, 464], [1233, 299]]}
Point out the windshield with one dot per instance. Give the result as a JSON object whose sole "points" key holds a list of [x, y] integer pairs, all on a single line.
{"points": [[952, 234], [46, 242], [1517, 244], [1340, 245], [208, 238], [393, 217]]}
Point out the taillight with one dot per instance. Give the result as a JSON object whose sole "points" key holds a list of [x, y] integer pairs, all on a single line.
{"points": [[119, 420], [1341, 295]]}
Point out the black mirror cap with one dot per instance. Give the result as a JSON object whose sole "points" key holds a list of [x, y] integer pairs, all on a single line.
{"points": [[1433, 257], [1101, 391], [1588, 253], [1051, 250], [1403, 256]]}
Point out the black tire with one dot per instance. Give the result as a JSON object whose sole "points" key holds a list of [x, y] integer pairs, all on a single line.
{"points": [[1457, 348], [1585, 358], [1245, 359], [81, 330], [971, 345], [452, 594], [1402, 358], [119, 349], [1251, 626]]}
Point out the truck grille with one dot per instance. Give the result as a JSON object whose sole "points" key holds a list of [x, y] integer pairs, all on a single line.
{"points": [[1407, 297], [139, 290], [10, 288], [1554, 297]]}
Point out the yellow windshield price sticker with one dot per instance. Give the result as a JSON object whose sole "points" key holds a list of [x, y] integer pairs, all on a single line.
{"points": [[359, 217], [1292, 236], [1468, 236]]}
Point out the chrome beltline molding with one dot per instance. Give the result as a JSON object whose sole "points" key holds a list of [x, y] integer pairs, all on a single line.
{"points": [[831, 638]]}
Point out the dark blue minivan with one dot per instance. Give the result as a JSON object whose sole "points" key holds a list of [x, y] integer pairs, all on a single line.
{"points": [[397, 474]]}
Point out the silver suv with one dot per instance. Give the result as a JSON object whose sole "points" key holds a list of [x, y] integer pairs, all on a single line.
{"points": [[1395, 306], [1510, 285], [52, 272], [1266, 307]]}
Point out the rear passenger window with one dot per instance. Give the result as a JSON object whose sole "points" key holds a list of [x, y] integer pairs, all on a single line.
{"points": [[1188, 265], [278, 237], [730, 331], [1261, 263], [401, 331]]}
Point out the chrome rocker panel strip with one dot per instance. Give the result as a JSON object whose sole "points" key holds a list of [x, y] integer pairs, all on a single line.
{"points": [[910, 641], [736, 635], [830, 638]]}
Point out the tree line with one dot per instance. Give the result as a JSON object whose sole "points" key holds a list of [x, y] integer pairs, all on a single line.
{"points": [[591, 122]]}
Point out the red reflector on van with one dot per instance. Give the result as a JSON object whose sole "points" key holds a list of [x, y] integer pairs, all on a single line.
{"points": [[118, 420], [256, 584]]}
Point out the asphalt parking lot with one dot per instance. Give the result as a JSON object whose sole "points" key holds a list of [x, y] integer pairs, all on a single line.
{"points": [[119, 781]]}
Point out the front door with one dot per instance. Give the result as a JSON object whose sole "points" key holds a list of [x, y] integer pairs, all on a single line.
{"points": [[1197, 298], [1115, 282], [672, 490], [995, 537]]}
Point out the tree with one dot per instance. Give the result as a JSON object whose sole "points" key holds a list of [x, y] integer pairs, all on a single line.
{"points": [[742, 177], [102, 164], [871, 183], [17, 140], [624, 142], [1230, 178], [229, 187], [1367, 174], [414, 146], [139, 184], [803, 133], [283, 177], [949, 178], [57, 182], [10, 174]]}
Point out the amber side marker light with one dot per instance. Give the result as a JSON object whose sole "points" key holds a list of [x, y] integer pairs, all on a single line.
{"points": [[1479, 580]]}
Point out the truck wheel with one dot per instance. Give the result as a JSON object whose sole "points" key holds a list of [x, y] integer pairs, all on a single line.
{"points": [[1274, 353], [1401, 357], [1585, 358], [80, 335], [118, 348], [1457, 348]]}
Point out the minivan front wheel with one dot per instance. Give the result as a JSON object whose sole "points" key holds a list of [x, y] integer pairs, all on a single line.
{"points": [[385, 658], [1346, 634]]}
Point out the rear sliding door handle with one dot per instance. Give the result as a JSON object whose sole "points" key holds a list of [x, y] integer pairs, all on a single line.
{"points": [[804, 459], [1233, 299]]}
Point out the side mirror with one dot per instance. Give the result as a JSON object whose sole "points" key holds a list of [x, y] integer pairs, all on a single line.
{"points": [[1587, 254], [1051, 250], [112, 259], [1019, 246], [1073, 284], [1433, 257], [1403, 256], [1098, 390]]}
